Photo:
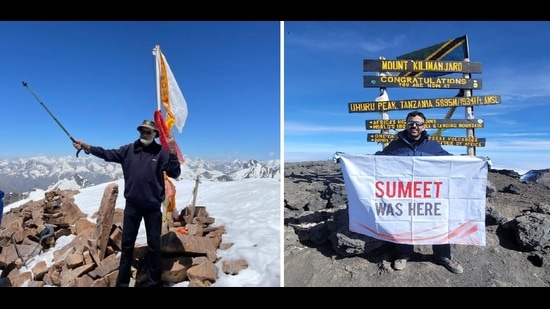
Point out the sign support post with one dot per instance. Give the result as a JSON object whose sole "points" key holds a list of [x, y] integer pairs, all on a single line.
{"points": [[469, 113]]}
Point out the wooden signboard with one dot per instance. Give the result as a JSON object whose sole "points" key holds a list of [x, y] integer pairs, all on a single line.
{"points": [[421, 82], [436, 67], [443, 140], [388, 124], [382, 106], [421, 66]]}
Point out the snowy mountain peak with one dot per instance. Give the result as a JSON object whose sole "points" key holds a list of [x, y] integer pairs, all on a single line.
{"points": [[25, 174]]}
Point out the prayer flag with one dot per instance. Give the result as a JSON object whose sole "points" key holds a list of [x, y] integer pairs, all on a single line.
{"points": [[169, 93]]}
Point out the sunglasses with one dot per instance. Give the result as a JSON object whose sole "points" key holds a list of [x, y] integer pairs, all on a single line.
{"points": [[418, 123], [145, 132]]}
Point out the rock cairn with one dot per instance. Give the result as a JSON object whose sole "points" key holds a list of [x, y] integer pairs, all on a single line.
{"points": [[189, 245]]}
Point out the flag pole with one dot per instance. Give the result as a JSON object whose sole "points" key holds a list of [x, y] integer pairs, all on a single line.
{"points": [[156, 52]]}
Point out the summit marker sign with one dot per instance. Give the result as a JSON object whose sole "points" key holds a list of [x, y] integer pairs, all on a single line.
{"points": [[445, 65], [421, 65], [421, 82], [381, 106]]}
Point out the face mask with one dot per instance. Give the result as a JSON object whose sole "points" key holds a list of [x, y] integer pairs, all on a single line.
{"points": [[146, 142]]}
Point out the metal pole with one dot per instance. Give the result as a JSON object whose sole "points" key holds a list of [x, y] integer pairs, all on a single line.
{"points": [[469, 113], [49, 112]]}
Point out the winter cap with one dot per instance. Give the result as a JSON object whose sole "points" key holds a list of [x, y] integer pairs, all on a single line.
{"points": [[148, 124]]}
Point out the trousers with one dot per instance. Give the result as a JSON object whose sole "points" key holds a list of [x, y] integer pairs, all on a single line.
{"points": [[152, 217], [439, 251]]}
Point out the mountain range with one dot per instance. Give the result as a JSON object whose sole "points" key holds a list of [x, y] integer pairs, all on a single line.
{"points": [[19, 176]]}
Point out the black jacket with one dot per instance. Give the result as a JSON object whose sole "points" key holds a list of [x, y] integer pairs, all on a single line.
{"points": [[143, 168], [423, 147]]}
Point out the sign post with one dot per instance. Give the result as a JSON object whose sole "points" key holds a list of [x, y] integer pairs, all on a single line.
{"points": [[425, 68]]}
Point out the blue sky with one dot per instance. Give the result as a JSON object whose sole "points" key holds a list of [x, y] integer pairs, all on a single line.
{"points": [[323, 72], [98, 80]]}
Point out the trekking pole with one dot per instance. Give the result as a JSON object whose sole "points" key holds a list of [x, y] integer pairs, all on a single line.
{"points": [[59, 123]]}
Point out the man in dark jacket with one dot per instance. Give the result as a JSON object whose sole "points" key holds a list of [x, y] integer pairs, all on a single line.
{"points": [[413, 141], [143, 163]]}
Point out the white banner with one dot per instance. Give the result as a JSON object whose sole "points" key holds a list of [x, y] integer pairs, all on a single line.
{"points": [[422, 200]]}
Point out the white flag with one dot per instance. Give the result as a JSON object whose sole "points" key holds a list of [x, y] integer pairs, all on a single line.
{"points": [[169, 93]]}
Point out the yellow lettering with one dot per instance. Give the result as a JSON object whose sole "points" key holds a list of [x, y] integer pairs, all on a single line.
{"points": [[438, 66], [386, 105], [456, 66], [446, 125], [470, 125], [440, 82], [362, 107], [491, 99], [399, 65]]}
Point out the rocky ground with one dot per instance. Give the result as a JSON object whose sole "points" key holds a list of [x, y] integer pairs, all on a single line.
{"points": [[314, 195]]}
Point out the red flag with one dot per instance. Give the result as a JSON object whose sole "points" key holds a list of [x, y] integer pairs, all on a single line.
{"points": [[166, 137]]}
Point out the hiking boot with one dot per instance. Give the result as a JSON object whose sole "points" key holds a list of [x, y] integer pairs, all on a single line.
{"points": [[452, 265], [399, 264]]}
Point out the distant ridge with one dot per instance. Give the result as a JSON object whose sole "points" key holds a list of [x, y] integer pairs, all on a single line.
{"points": [[18, 176]]}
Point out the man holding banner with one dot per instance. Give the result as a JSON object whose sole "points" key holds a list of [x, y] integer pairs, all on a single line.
{"points": [[413, 141], [414, 192]]}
